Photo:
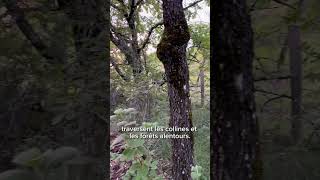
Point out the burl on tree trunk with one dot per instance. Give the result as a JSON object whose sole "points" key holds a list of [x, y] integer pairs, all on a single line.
{"points": [[235, 142], [172, 53]]}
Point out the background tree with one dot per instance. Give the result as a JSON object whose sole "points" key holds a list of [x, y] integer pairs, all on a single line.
{"points": [[64, 84], [275, 96]]}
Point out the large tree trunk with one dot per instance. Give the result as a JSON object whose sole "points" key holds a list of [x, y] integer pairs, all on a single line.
{"points": [[172, 53], [235, 129], [294, 44], [295, 55]]}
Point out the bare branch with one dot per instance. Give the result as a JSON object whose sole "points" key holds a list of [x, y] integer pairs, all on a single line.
{"points": [[253, 5], [272, 78], [272, 99], [146, 41], [139, 2], [269, 8], [192, 4], [272, 93], [120, 43], [118, 70], [285, 4], [120, 35], [277, 96]]}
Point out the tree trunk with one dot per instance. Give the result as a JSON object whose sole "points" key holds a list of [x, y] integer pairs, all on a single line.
{"points": [[172, 53], [201, 78], [202, 87], [294, 44], [235, 142]]}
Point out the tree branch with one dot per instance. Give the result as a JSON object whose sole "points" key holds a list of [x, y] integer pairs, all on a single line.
{"points": [[118, 70], [252, 7], [285, 4], [278, 96], [272, 99], [270, 8], [272, 78], [272, 93], [118, 8], [120, 43], [192, 4], [146, 41], [18, 15], [139, 2]]}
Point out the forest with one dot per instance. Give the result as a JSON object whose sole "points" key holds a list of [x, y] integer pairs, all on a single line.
{"points": [[265, 89], [152, 86], [159, 89]]}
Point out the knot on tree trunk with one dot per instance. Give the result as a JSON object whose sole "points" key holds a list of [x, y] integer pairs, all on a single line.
{"points": [[171, 42]]}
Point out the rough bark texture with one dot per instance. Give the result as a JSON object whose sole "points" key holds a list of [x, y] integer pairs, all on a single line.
{"points": [[295, 55], [235, 144], [172, 53]]}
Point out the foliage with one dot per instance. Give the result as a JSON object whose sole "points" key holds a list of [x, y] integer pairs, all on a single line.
{"points": [[37, 165], [143, 166], [196, 173]]}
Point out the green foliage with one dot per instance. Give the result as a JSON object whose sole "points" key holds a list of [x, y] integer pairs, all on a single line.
{"points": [[18, 174], [143, 166], [201, 120], [35, 165], [196, 173], [124, 114]]}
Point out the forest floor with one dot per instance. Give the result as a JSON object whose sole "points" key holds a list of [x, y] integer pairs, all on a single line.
{"points": [[285, 161], [119, 168]]}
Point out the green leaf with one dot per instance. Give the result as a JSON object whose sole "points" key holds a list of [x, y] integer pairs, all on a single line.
{"points": [[113, 117], [142, 150], [195, 175], [27, 158], [134, 143], [135, 166], [143, 171], [129, 154], [60, 155], [196, 172], [118, 111], [154, 165], [58, 118], [18, 174]]}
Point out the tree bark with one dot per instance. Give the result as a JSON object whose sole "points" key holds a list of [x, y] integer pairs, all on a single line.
{"points": [[295, 55], [234, 132], [172, 53]]}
